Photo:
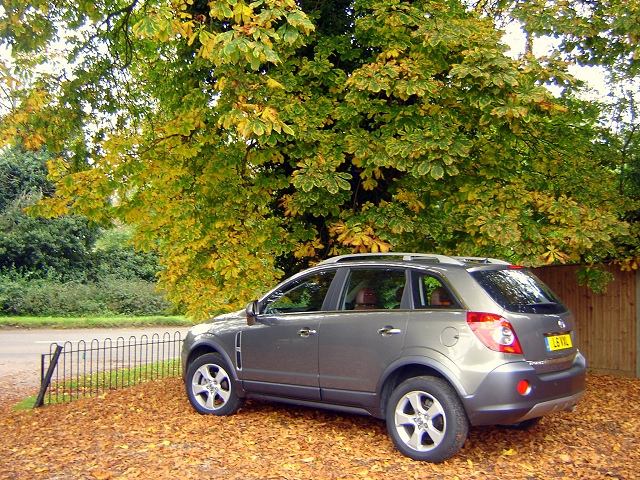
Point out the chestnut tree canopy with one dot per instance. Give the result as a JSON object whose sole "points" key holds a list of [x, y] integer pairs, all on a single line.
{"points": [[243, 139]]}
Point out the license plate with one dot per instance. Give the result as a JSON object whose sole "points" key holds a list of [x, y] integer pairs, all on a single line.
{"points": [[558, 342]]}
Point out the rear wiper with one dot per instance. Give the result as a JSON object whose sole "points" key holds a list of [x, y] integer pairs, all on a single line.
{"points": [[542, 304]]}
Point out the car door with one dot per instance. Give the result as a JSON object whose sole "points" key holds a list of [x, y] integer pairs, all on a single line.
{"points": [[279, 353], [363, 336]]}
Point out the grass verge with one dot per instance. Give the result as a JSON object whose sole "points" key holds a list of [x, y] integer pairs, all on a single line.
{"points": [[26, 403], [93, 322], [101, 382], [105, 380]]}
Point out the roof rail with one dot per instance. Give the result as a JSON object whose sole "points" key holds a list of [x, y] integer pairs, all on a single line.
{"points": [[487, 260], [415, 257]]}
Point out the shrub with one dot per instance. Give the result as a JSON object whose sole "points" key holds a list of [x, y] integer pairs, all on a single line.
{"points": [[12, 296], [134, 297], [111, 296]]}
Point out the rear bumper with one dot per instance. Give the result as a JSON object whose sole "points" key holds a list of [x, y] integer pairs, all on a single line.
{"points": [[497, 400]]}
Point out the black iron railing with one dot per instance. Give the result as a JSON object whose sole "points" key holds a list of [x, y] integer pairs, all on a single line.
{"points": [[70, 371]]}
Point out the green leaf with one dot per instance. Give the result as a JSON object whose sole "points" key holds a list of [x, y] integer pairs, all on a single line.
{"points": [[424, 168], [437, 171], [146, 27]]}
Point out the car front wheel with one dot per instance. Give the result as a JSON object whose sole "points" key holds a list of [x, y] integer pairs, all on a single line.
{"points": [[426, 419], [210, 387]]}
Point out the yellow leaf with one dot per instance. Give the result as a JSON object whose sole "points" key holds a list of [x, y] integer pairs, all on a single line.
{"points": [[509, 452], [273, 84]]}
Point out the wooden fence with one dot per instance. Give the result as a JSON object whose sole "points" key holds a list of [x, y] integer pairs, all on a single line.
{"points": [[608, 323]]}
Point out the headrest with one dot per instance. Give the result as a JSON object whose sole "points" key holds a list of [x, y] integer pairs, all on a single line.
{"points": [[366, 296]]}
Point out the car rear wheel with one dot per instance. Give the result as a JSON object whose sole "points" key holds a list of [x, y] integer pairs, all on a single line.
{"points": [[210, 387], [426, 419]]}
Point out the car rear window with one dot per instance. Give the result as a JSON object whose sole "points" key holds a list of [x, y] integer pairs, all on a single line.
{"points": [[519, 291]]}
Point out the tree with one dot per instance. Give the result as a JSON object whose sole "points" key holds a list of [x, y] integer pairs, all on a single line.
{"points": [[58, 248], [619, 145], [67, 248], [590, 33], [240, 138], [115, 257]]}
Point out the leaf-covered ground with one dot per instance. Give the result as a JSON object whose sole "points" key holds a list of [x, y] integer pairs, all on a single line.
{"points": [[150, 431]]}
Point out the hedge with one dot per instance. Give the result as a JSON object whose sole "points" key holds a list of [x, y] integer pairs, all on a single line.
{"points": [[109, 296]]}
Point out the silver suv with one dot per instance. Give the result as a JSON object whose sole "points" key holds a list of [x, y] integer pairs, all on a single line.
{"points": [[430, 343]]}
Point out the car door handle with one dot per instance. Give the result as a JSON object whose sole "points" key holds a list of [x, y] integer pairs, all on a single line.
{"points": [[388, 331], [306, 332]]}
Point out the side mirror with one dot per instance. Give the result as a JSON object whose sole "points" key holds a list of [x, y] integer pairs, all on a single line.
{"points": [[253, 309]]}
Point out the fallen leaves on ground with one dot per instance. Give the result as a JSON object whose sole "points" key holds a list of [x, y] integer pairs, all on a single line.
{"points": [[150, 431]]}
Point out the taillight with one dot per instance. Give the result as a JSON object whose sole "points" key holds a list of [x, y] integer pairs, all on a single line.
{"points": [[494, 331], [524, 387]]}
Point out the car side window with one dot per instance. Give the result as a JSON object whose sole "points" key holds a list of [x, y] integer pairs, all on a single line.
{"points": [[430, 292], [373, 289], [305, 294]]}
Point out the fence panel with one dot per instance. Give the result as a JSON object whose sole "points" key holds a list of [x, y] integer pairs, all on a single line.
{"points": [[95, 367], [607, 322]]}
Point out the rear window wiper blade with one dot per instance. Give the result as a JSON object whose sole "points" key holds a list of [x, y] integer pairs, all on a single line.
{"points": [[542, 304]]}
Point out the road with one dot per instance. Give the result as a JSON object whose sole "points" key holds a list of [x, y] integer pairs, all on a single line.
{"points": [[21, 350]]}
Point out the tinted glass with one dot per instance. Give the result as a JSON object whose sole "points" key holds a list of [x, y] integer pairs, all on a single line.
{"points": [[430, 292], [373, 289], [305, 294], [519, 291]]}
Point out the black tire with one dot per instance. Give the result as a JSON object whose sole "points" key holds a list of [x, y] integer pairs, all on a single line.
{"points": [[210, 386], [426, 419]]}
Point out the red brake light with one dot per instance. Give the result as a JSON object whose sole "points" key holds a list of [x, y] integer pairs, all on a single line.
{"points": [[524, 387], [494, 331]]}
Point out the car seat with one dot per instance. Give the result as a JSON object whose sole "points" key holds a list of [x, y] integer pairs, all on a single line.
{"points": [[439, 297], [366, 299]]}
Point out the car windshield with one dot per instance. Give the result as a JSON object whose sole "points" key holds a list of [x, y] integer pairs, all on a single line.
{"points": [[519, 291]]}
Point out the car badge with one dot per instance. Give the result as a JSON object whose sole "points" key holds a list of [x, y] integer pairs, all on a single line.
{"points": [[561, 324]]}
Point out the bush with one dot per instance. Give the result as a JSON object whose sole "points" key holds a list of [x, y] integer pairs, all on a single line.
{"points": [[111, 296], [12, 296], [134, 297], [51, 248], [124, 262], [66, 266]]}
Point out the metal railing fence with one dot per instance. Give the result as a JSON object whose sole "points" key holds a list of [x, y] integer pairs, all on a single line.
{"points": [[71, 371]]}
